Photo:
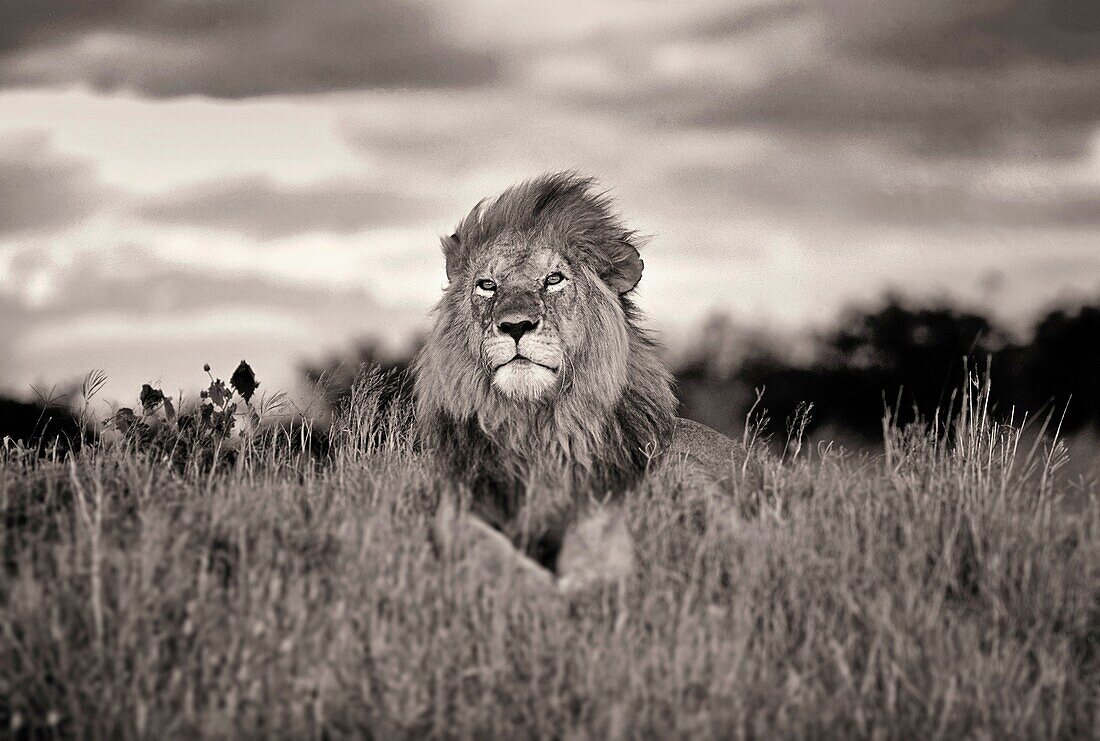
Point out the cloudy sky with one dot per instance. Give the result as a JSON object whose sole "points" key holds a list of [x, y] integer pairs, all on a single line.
{"points": [[190, 181]]}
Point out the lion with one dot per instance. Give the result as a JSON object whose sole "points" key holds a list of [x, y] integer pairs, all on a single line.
{"points": [[537, 388]]}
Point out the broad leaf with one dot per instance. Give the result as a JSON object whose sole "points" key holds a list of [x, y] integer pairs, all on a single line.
{"points": [[244, 380], [151, 398]]}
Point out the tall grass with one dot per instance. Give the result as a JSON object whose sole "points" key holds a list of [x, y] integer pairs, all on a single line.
{"points": [[936, 590]]}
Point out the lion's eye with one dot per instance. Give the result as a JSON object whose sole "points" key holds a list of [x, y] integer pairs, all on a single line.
{"points": [[486, 285], [554, 278]]}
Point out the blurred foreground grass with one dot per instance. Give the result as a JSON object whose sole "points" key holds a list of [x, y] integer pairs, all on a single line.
{"points": [[938, 589]]}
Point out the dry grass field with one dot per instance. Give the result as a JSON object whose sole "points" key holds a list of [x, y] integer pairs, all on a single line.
{"points": [[946, 587]]}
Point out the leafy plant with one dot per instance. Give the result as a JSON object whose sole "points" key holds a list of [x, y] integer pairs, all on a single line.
{"points": [[156, 425]]}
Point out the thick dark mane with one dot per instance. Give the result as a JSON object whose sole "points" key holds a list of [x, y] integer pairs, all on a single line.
{"points": [[563, 204], [615, 409]]}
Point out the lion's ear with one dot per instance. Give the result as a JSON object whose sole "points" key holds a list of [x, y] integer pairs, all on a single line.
{"points": [[625, 268], [454, 254]]}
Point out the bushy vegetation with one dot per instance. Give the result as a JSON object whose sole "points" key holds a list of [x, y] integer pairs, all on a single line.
{"points": [[947, 586], [900, 355]]}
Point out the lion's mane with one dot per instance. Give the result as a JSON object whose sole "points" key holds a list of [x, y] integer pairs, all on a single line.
{"points": [[615, 408]]}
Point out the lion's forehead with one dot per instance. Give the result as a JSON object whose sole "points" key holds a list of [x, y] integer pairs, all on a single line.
{"points": [[522, 258]]}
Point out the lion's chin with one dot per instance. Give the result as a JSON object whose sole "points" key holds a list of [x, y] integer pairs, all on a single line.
{"points": [[524, 380]]}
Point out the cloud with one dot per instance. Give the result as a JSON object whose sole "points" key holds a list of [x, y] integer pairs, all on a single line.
{"points": [[948, 35], [996, 78], [139, 283], [875, 185], [42, 191], [27, 24], [145, 320], [233, 48], [804, 151], [1024, 114], [262, 208]]}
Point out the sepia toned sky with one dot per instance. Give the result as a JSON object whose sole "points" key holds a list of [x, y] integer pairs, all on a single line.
{"points": [[190, 181]]}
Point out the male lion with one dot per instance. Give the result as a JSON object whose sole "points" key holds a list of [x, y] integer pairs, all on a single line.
{"points": [[537, 388]]}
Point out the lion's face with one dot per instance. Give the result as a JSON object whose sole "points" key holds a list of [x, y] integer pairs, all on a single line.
{"points": [[523, 300], [534, 360]]}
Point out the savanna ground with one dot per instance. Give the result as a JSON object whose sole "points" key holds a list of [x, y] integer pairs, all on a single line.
{"points": [[176, 580]]}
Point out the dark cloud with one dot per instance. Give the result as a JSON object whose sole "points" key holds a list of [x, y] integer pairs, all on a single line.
{"points": [[25, 24], [232, 48], [837, 183], [91, 285], [749, 20], [265, 209], [992, 78], [152, 321], [995, 34], [1038, 113], [41, 190]]}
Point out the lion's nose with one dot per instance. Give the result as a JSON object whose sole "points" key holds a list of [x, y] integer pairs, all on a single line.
{"points": [[517, 329]]}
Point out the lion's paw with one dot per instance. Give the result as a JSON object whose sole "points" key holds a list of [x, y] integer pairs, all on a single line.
{"points": [[596, 550]]}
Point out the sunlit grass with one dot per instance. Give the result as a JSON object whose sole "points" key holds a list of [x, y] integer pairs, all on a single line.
{"points": [[937, 589]]}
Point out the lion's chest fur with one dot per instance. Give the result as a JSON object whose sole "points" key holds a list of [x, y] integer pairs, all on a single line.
{"points": [[530, 457]]}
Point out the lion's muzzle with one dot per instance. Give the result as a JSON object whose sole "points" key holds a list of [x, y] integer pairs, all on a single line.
{"points": [[521, 350]]}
